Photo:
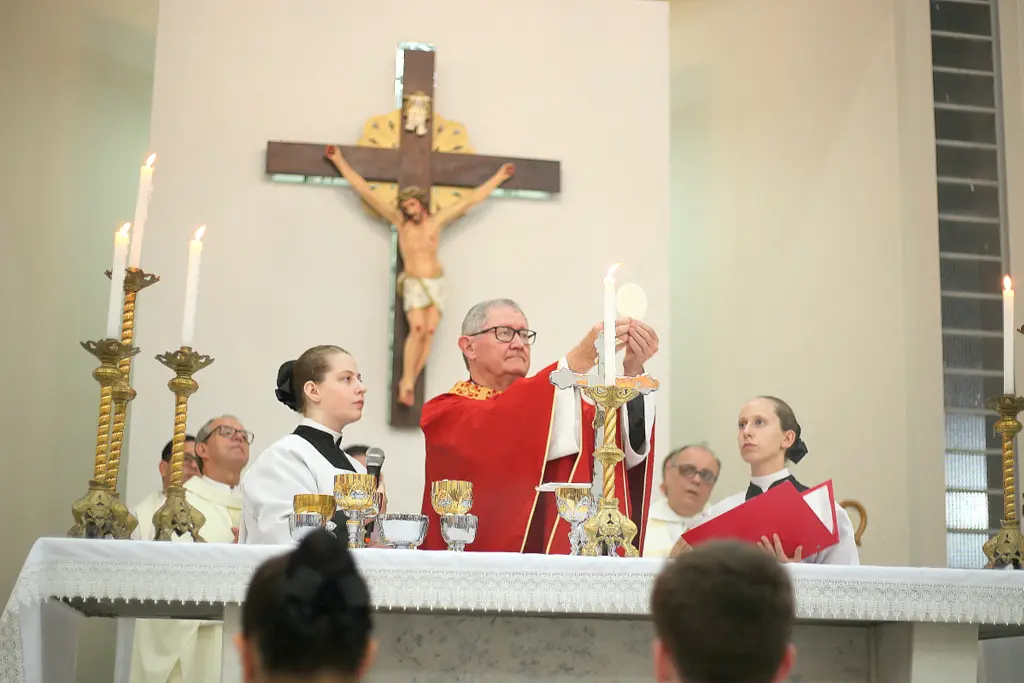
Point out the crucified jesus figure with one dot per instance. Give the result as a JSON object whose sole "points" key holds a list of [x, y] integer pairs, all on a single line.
{"points": [[421, 283]]}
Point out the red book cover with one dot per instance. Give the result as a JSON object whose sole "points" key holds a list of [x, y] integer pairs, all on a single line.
{"points": [[805, 519]]}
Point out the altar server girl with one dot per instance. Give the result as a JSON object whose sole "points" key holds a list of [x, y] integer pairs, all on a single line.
{"points": [[325, 387], [768, 436], [306, 617]]}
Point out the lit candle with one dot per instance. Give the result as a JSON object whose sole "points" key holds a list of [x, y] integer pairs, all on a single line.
{"points": [[195, 254], [117, 282], [141, 210], [1008, 383], [608, 350]]}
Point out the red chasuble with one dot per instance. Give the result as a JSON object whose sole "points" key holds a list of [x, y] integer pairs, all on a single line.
{"points": [[499, 442]]}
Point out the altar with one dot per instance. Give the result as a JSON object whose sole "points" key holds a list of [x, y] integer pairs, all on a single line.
{"points": [[499, 617]]}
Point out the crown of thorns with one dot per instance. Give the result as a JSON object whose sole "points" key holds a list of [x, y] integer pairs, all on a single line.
{"points": [[413, 193]]}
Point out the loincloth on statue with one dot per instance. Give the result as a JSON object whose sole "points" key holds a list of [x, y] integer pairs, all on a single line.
{"points": [[421, 292]]}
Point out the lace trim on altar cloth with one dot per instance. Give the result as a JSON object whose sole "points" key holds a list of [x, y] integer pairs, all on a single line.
{"points": [[585, 592], [527, 585]]}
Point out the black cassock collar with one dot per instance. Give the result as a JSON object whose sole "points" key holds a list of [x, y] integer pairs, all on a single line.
{"points": [[753, 490], [326, 445]]}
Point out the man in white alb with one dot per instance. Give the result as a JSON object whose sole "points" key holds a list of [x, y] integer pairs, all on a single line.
{"points": [[148, 506], [688, 477], [166, 650]]}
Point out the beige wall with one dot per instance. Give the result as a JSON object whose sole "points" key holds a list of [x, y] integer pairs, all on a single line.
{"points": [[76, 83], [804, 253], [289, 266]]}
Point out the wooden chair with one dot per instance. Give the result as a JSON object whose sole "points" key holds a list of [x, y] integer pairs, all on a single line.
{"points": [[858, 515]]}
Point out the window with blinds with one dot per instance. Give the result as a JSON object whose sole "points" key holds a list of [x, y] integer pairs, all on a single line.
{"points": [[972, 253]]}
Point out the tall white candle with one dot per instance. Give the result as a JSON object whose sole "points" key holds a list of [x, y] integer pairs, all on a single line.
{"points": [[1008, 383], [141, 210], [117, 282], [195, 255], [608, 318]]}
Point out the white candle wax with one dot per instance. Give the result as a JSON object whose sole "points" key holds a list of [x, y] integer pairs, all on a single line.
{"points": [[141, 210], [1008, 383], [608, 318], [195, 254], [117, 282]]}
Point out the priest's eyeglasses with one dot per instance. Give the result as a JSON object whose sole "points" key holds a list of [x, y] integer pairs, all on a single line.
{"points": [[505, 334], [229, 432], [687, 471]]}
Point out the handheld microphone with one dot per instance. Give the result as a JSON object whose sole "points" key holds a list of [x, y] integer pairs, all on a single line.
{"points": [[374, 461]]}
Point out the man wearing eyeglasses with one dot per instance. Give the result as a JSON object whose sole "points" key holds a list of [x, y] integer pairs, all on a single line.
{"points": [[507, 433], [688, 477], [163, 648]]}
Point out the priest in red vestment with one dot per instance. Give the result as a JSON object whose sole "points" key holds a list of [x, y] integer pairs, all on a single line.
{"points": [[508, 433]]}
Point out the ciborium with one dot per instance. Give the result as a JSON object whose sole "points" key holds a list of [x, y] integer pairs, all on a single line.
{"points": [[356, 496], [311, 511], [451, 497]]}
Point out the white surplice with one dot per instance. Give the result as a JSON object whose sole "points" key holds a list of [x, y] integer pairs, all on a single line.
{"points": [[665, 526], [289, 466], [179, 650], [144, 512], [843, 552]]}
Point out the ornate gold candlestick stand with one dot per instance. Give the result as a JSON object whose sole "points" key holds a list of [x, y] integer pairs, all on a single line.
{"points": [[177, 516], [99, 513], [608, 529], [1006, 548], [135, 280]]}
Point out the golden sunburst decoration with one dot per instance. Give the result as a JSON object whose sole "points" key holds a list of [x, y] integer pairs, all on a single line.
{"points": [[385, 132]]}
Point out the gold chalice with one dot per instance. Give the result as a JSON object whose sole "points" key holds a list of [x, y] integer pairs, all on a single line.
{"points": [[311, 511], [451, 497], [321, 503], [575, 505], [356, 495]]}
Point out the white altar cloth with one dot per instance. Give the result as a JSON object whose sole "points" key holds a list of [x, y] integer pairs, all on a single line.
{"points": [[151, 579]]}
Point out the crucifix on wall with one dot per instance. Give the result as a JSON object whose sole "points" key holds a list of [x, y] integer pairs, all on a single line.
{"points": [[413, 169]]}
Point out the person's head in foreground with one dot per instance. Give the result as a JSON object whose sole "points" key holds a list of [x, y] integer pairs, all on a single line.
{"points": [[723, 613], [306, 617]]}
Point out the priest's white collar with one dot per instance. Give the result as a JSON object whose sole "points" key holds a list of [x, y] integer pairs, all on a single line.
{"points": [[211, 485], [316, 425], [214, 484], [662, 511], [766, 480]]}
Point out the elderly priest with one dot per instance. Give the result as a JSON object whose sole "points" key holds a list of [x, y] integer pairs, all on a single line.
{"points": [[507, 433]]}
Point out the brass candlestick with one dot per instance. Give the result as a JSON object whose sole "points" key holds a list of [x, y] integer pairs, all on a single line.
{"points": [[135, 280], [176, 516], [100, 513], [1006, 548], [608, 529]]}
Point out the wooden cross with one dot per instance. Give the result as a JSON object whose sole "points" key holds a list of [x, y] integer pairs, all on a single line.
{"points": [[414, 162]]}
